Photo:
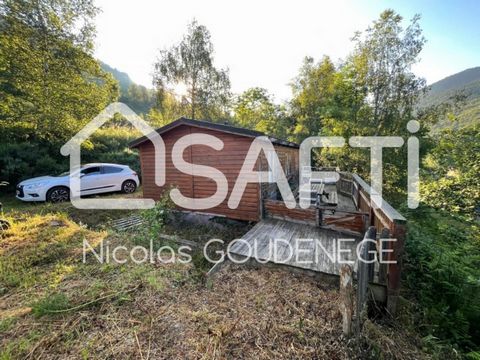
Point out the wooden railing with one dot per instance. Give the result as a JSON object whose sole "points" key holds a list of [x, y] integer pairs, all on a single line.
{"points": [[388, 222], [353, 221], [276, 209], [370, 211], [345, 185]]}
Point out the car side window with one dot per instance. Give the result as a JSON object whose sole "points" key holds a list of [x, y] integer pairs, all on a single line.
{"points": [[94, 170], [111, 170]]}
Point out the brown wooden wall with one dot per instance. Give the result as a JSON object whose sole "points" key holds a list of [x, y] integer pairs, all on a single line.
{"points": [[229, 161]]}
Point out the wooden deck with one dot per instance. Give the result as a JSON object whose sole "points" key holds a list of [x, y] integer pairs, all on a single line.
{"points": [[310, 238], [344, 202], [298, 245]]}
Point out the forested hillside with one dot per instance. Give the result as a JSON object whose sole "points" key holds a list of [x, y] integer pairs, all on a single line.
{"points": [[462, 88], [138, 97]]}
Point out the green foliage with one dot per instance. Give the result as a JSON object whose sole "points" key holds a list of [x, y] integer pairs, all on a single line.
{"points": [[110, 145], [466, 84], [473, 355], [124, 81], [50, 304], [157, 217], [312, 96], [452, 167], [191, 63], [170, 109], [372, 93], [254, 109], [50, 83], [387, 52], [443, 245], [139, 98], [24, 160], [442, 272]]}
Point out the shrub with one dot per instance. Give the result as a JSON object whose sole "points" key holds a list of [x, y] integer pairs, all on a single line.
{"points": [[442, 273], [158, 216], [24, 160], [19, 161], [51, 304]]}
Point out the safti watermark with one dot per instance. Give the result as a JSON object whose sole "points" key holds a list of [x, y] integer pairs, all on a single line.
{"points": [[248, 173], [73, 149], [301, 251]]}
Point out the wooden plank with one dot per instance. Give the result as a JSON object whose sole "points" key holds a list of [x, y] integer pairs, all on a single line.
{"points": [[346, 298], [323, 243], [363, 275], [229, 160], [385, 207]]}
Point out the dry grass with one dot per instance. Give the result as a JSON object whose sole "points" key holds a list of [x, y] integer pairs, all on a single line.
{"points": [[243, 314], [54, 306]]}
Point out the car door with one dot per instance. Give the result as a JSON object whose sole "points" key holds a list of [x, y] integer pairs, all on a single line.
{"points": [[91, 181], [113, 177]]}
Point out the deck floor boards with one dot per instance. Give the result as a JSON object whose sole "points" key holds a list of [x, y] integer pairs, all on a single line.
{"points": [[311, 255], [344, 202]]}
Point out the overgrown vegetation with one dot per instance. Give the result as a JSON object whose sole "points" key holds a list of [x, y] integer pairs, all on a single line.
{"points": [[442, 272], [51, 86], [154, 310], [23, 160], [443, 245]]}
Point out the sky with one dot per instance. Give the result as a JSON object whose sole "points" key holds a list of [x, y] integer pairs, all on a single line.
{"points": [[263, 42]]}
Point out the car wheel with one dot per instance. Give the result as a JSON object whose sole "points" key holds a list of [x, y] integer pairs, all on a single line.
{"points": [[129, 186], [58, 194]]}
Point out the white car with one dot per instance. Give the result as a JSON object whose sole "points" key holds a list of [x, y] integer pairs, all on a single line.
{"points": [[94, 179]]}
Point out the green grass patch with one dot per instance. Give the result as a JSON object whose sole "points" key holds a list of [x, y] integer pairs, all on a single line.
{"points": [[50, 305], [40, 249]]}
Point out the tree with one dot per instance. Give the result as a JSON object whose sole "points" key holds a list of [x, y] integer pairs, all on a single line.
{"points": [[139, 98], [375, 92], [191, 63], [255, 109], [312, 96], [50, 84], [452, 169], [387, 52], [169, 110]]}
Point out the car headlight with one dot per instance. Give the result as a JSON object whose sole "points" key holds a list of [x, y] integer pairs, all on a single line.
{"points": [[34, 186]]}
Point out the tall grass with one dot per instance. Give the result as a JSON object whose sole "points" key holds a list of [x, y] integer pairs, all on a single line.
{"points": [[443, 275]]}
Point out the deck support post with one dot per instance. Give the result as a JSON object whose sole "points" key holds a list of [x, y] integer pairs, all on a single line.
{"points": [[346, 298], [363, 274], [382, 268], [395, 268]]}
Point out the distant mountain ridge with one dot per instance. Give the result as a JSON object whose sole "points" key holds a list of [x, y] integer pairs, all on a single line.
{"points": [[138, 97], [466, 83], [458, 80], [123, 79]]}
